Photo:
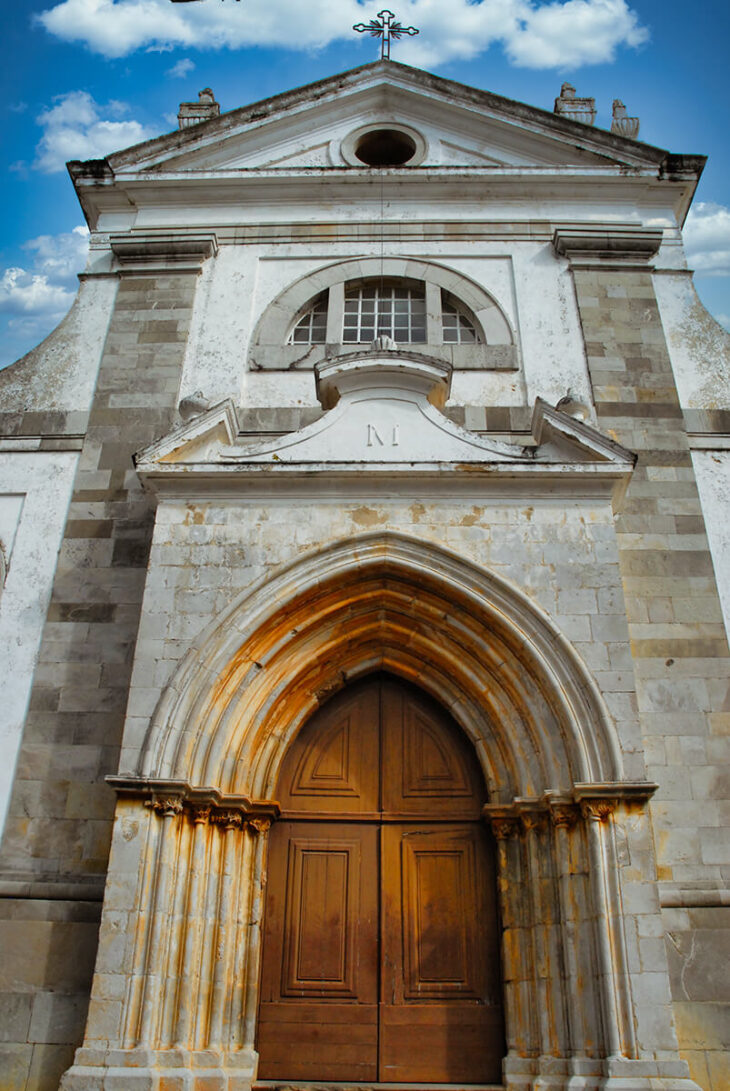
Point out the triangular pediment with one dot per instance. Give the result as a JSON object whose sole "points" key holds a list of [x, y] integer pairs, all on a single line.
{"points": [[457, 126]]}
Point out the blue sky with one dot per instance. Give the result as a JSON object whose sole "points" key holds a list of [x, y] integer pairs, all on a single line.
{"points": [[84, 77]]}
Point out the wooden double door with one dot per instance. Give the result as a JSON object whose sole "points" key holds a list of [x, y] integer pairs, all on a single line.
{"points": [[381, 943]]}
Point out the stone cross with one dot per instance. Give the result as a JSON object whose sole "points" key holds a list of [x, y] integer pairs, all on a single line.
{"points": [[384, 27]]}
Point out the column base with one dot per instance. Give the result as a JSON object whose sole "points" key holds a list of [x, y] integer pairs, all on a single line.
{"points": [[160, 1070], [594, 1074]]}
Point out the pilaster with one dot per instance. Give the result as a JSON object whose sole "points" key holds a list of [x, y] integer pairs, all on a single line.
{"points": [[678, 640], [54, 859]]}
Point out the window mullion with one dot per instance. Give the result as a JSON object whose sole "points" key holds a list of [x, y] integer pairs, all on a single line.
{"points": [[335, 314], [434, 321]]}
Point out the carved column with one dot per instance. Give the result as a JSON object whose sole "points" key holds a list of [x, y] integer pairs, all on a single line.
{"points": [[193, 927], [258, 829], [221, 978], [545, 919], [597, 812], [154, 950], [577, 957], [194, 911], [519, 998]]}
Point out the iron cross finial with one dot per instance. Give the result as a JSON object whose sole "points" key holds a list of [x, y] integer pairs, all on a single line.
{"points": [[387, 28]]}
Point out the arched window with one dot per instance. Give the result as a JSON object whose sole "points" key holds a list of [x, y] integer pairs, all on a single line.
{"points": [[346, 306], [457, 325], [311, 328]]}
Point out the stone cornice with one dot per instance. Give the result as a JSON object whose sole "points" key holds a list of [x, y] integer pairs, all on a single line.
{"points": [[156, 252], [243, 199], [532, 481], [606, 247]]}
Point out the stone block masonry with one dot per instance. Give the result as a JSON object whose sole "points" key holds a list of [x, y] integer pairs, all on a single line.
{"points": [[678, 640], [54, 854]]}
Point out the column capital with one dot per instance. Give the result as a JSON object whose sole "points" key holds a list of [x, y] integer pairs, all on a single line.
{"points": [[598, 810], [165, 806]]}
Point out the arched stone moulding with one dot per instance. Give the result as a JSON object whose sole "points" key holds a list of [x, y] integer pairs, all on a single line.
{"points": [[268, 343], [189, 861]]}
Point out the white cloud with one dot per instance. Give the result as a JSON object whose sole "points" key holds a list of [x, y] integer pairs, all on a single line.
{"points": [[183, 68], [533, 33], [46, 290], [560, 35], [707, 239], [21, 292], [74, 129]]}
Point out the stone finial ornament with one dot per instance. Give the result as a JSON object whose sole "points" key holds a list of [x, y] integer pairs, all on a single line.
{"points": [[573, 406], [192, 405], [192, 113], [576, 109], [621, 124]]}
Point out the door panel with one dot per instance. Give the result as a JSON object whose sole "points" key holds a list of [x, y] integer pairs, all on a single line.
{"points": [[320, 950], [318, 1042], [441, 1045], [428, 766], [319, 925], [439, 895], [440, 1014], [335, 767]]}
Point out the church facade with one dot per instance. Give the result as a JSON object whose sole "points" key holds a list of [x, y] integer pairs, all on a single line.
{"points": [[364, 560]]}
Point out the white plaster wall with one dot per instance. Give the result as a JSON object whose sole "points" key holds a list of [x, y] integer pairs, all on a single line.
{"points": [[699, 347], [712, 469], [11, 505], [221, 325], [35, 490], [60, 374], [553, 353]]}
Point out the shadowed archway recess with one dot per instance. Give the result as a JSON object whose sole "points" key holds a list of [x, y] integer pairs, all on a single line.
{"points": [[383, 602]]}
